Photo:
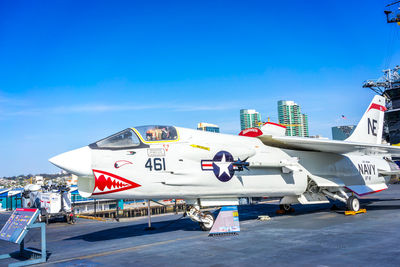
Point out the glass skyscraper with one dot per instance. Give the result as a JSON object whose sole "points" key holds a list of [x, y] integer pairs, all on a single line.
{"points": [[249, 118], [289, 115]]}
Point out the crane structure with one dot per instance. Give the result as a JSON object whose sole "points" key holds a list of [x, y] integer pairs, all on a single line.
{"points": [[389, 81], [393, 12]]}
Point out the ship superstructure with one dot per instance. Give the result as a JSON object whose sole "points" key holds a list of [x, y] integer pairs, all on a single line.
{"points": [[389, 86]]}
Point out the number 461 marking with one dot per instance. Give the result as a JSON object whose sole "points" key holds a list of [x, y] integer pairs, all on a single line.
{"points": [[157, 164]]}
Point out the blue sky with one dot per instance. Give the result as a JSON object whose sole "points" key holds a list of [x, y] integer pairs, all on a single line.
{"points": [[72, 72]]}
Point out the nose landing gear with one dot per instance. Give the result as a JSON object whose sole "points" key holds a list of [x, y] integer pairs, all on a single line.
{"points": [[285, 207], [205, 219], [208, 221]]}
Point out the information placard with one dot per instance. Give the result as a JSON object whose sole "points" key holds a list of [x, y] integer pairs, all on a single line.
{"points": [[15, 228], [227, 221]]}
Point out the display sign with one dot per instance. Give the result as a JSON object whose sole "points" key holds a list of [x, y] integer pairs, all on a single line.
{"points": [[15, 228], [227, 221]]}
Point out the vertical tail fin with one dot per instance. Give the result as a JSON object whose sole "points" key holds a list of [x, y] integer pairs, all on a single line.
{"points": [[370, 127]]}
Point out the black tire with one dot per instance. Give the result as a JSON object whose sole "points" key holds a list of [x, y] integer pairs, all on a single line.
{"points": [[207, 226], [353, 204], [70, 218], [285, 207], [43, 211]]}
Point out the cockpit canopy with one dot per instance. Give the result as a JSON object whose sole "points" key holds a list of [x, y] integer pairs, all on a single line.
{"points": [[157, 133], [134, 137], [125, 138]]}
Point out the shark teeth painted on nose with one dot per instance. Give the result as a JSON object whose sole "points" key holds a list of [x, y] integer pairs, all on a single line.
{"points": [[106, 183]]}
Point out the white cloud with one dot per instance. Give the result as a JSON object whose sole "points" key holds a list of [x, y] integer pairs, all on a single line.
{"points": [[12, 101], [94, 108], [211, 107], [100, 108]]}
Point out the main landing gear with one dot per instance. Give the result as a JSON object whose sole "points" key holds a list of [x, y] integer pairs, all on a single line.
{"points": [[352, 202], [205, 219]]}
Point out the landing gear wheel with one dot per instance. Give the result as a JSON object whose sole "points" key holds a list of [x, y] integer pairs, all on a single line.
{"points": [[353, 204], [72, 219], [285, 207], [206, 226]]}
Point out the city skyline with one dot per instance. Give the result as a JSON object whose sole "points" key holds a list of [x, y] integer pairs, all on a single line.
{"points": [[75, 72]]}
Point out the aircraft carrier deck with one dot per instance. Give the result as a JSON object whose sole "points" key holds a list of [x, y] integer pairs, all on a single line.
{"points": [[312, 235]]}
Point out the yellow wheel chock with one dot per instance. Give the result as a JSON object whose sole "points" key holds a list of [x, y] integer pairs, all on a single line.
{"points": [[350, 212]]}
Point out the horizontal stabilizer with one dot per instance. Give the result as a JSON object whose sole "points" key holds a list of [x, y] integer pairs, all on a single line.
{"points": [[362, 190]]}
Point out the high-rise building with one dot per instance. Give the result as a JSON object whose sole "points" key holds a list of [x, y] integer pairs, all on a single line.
{"points": [[289, 114], [342, 132], [249, 118], [305, 125], [208, 127]]}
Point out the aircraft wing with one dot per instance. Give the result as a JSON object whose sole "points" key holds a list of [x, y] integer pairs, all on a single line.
{"points": [[330, 146]]}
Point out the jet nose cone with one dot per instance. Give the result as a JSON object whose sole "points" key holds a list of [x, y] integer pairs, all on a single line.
{"points": [[78, 161]]}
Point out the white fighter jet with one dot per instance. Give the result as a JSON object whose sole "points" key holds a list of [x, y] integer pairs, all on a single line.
{"points": [[212, 169]]}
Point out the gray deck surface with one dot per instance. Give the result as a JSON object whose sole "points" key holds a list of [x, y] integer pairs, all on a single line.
{"points": [[311, 236]]}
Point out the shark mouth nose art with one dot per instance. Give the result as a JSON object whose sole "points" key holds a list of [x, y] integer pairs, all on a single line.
{"points": [[106, 183]]}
